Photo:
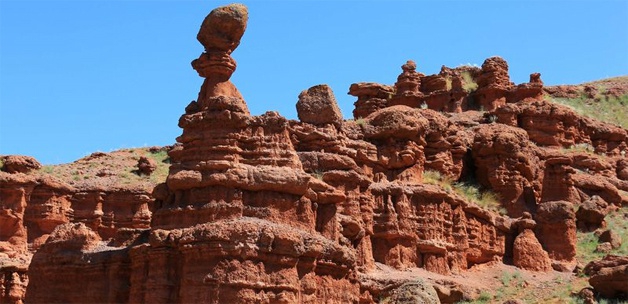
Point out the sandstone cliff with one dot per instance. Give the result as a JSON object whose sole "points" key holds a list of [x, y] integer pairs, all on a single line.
{"points": [[262, 209]]}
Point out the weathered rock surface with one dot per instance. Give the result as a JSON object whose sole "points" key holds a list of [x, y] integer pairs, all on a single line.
{"points": [[262, 209], [505, 161], [18, 164], [317, 105], [527, 251], [557, 230], [609, 276], [371, 97], [146, 165], [529, 254], [414, 292]]}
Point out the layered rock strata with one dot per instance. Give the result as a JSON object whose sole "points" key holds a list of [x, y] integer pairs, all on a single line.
{"points": [[262, 209]]}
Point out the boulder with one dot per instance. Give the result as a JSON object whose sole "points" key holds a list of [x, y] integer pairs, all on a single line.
{"points": [[146, 165], [611, 237], [317, 105], [417, 291], [591, 213], [609, 276]]}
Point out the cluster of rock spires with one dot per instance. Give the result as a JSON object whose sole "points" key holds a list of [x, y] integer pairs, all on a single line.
{"points": [[261, 209]]}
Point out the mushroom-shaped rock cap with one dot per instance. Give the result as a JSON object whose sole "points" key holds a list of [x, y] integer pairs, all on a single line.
{"points": [[223, 28]]}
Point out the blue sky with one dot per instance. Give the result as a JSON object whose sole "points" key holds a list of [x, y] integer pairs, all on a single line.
{"points": [[83, 76]]}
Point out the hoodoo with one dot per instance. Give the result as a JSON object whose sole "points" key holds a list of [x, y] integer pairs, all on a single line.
{"points": [[436, 175]]}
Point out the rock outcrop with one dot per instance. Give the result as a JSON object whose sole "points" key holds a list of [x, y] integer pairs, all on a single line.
{"points": [[527, 251], [18, 164], [317, 105], [372, 97], [263, 209], [609, 276]]}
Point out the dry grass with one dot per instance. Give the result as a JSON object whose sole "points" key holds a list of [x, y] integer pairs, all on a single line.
{"points": [[470, 191], [113, 169], [603, 107], [468, 84]]}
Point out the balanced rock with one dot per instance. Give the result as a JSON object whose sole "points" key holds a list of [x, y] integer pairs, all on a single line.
{"points": [[407, 86], [317, 105], [220, 34]]}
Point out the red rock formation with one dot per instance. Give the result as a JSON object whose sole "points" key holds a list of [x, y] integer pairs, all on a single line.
{"points": [[14, 190], [407, 87], [146, 165], [550, 124], [527, 251], [591, 213], [13, 283], [557, 182], [528, 91], [18, 164], [371, 97], [493, 84], [556, 230], [265, 209], [507, 163], [220, 34], [50, 205], [609, 276], [317, 105]]}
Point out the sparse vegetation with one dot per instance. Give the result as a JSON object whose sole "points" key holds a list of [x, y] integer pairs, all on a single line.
{"points": [[468, 84], [163, 165], [582, 147], [360, 121], [448, 83], [602, 107], [508, 277], [587, 241], [317, 174], [120, 167], [469, 190], [47, 169]]}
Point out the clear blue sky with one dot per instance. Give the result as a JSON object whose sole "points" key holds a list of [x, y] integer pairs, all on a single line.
{"points": [[83, 76]]}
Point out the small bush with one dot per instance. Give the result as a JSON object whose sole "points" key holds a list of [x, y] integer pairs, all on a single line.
{"points": [[468, 84], [361, 121]]}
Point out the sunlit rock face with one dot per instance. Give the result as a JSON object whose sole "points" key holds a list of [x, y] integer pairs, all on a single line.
{"points": [[262, 209]]}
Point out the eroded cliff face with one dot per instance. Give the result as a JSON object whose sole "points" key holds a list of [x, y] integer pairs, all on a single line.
{"points": [[262, 209]]}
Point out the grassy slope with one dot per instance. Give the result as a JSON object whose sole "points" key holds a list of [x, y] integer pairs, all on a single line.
{"points": [[602, 105]]}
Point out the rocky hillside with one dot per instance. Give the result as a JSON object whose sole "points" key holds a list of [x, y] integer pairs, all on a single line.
{"points": [[453, 187]]}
